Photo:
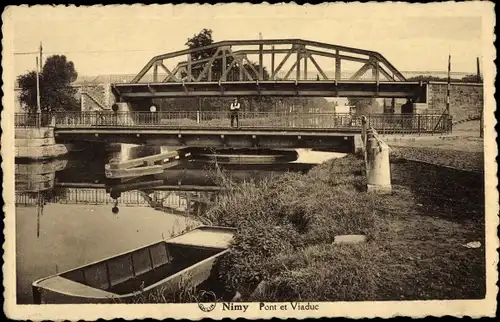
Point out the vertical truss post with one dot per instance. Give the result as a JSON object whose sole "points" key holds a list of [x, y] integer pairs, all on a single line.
{"points": [[305, 64], [224, 62], [272, 62], [298, 62], [155, 73], [189, 67], [337, 65], [376, 70], [240, 63], [261, 63], [376, 74]]}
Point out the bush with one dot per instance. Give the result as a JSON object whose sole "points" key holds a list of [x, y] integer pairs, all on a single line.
{"points": [[284, 215], [286, 227], [253, 248]]}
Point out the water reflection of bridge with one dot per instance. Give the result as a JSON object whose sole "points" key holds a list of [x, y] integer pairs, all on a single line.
{"points": [[181, 201], [188, 186], [191, 184]]}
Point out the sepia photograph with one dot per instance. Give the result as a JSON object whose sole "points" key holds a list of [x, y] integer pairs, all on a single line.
{"points": [[251, 161]]}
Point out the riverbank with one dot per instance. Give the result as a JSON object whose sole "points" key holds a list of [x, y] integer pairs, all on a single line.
{"points": [[464, 149], [414, 249]]}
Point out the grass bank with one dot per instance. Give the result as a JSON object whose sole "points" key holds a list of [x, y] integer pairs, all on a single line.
{"points": [[286, 227]]}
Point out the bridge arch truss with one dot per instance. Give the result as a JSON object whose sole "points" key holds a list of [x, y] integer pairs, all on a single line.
{"points": [[277, 67]]}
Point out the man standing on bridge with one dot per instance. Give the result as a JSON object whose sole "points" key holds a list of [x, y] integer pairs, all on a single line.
{"points": [[234, 110]]}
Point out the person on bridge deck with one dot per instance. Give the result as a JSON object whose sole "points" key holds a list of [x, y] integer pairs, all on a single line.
{"points": [[234, 109]]}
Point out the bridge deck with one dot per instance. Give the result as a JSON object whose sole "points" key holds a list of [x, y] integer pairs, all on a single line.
{"points": [[212, 129]]}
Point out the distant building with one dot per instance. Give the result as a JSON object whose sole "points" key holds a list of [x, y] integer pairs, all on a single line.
{"points": [[93, 93]]}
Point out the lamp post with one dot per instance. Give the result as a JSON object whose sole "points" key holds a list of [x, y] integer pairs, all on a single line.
{"points": [[38, 108]]}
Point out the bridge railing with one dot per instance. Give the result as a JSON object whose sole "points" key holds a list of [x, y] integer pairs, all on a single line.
{"points": [[383, 123], [204, 119], [31, 119]]}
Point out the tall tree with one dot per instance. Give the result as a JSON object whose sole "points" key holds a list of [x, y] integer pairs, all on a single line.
{"points": [[56, 93], [204, 38]]}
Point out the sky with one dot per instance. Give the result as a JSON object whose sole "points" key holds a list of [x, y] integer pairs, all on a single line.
{"points": [[121, 40]]}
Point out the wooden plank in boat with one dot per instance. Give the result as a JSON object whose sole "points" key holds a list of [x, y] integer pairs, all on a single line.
{"points": [[205, 237], [58, 283]]}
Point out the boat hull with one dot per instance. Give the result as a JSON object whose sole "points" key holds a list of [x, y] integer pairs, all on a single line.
{"points": [[164, 267]]}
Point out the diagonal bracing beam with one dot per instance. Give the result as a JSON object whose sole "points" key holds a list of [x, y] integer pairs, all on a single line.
{"points": [[208, 66], [169, 72], [361, 71], [239, 59], [249, 63], [224, 75], [291, 69], [385, 73], [288, 54], [310, 56], [174, 72]]}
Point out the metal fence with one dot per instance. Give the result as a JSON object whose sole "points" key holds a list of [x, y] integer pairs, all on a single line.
{"points": [[384, 123], [408, 124]]}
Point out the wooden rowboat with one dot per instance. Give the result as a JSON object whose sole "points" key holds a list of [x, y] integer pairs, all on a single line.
{"points": [[163, 265]]}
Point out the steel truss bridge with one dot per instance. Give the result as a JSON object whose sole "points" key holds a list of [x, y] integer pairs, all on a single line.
{"points": [[226, 68]]}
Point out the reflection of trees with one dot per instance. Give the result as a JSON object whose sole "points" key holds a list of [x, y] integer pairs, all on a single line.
{"points": [[39, 198]]}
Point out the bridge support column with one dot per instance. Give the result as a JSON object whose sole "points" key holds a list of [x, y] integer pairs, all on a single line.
{"points": [[378, 168], [122, 109]]}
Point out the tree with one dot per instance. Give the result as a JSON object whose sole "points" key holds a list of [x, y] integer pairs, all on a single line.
{"points": [[471, 79], [465, 79], [363, 106], [56, 93], [204, 38], [423, 78]]}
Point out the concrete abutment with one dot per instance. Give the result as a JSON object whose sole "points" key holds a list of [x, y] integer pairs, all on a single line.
{"points": [[38, 143]]}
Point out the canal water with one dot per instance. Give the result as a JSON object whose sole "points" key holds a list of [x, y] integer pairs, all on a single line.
{"points": [[65, 216]]}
